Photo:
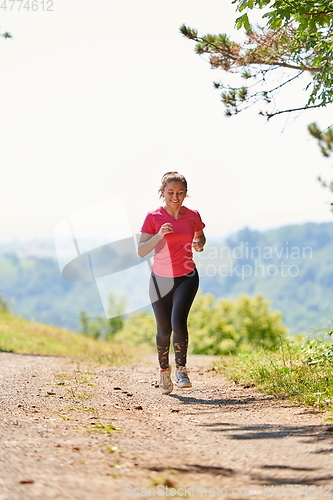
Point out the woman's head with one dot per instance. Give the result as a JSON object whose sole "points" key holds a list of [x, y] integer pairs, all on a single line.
{"points": [[172, 177]]}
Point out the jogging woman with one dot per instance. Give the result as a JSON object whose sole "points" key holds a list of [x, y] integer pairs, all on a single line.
{"points": [[172, 231]]}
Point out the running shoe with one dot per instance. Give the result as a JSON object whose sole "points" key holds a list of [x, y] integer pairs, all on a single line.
{"points": [[166, 384], [182, 378]]}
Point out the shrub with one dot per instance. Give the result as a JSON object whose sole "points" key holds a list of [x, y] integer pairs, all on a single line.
{"points": [[220, 326], [216, 326]]}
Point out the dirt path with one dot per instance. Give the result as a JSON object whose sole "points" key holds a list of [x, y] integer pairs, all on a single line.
{"points": [[216, 440]]}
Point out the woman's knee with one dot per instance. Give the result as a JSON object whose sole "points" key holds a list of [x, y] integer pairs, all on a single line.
{"points": [[163, 335], [179, 327]]}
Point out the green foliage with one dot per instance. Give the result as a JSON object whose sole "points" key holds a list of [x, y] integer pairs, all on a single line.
{"points": [[318, 351], [139, 329], [325, 138], [311, 45], [5, 35], [104, 428], [101, 327], [216, 326], [325, 143], [287, 373], [27, 337], [221, 326], [297, 36]]}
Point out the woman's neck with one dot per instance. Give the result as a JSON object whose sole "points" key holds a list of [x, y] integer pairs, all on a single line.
{"points": [[175, 213]]}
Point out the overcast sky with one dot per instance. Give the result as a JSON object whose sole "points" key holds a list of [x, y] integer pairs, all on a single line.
{"points": [[99, 99]]}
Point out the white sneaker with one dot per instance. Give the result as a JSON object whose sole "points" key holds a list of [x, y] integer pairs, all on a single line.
{"points": [[182, 378], [166, 384]]}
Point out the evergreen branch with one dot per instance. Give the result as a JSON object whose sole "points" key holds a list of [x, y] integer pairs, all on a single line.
{"points": [[304, 108]]}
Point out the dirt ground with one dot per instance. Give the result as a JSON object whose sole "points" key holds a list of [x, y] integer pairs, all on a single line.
{"points": [[69, 431]]}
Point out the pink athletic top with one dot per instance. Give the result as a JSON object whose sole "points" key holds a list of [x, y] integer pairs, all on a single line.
{"points": [[173, 254]]}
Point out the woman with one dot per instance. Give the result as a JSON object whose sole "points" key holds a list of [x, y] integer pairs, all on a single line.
{"points": [[172, 231]]}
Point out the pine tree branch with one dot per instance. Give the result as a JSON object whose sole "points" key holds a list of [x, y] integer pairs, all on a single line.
{"points": [[304, 108]]}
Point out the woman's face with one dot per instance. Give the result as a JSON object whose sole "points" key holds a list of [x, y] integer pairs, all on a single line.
{"points": [[174, 194]]}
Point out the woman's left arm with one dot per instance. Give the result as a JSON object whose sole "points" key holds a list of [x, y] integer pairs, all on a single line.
{"points": [[199, 241]]}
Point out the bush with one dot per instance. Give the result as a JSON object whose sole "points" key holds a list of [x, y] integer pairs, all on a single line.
{"points": [[216, 326], [318, 351], [220, 326], [101, 327], [139, 328]]}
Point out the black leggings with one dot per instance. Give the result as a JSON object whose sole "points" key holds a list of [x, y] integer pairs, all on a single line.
{"points": [[171, 300]]}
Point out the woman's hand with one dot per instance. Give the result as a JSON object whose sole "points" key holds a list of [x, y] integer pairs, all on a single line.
{"points": [[165, 229], [198, 244]]}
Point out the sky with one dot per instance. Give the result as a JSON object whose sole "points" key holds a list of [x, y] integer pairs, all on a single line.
{"points": [[99, 99]]}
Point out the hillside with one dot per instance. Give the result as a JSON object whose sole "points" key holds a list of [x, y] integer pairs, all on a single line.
{"points": [[18, 335], [292, 266]]}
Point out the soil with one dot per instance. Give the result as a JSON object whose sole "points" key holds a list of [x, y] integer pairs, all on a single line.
{"points": [[72, 431]]}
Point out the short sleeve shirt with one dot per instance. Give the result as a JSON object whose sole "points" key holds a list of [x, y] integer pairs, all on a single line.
{"points": [[173, 254]]}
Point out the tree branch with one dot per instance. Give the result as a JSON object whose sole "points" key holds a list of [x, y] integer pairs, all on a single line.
{"points": [[270, 115], [218, 50]]}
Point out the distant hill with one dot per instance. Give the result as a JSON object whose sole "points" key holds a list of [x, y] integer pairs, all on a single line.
{"points": [[292, 266], [34, 289]]}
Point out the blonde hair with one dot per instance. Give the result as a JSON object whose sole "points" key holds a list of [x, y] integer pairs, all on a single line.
{"points": [[172, 177]]}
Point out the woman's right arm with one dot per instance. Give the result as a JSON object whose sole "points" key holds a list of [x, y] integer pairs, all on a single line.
{"points": [[148, 242]]}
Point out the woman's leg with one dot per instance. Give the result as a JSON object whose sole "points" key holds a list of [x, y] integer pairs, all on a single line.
{"points": [[182, 300], [162, 309]]}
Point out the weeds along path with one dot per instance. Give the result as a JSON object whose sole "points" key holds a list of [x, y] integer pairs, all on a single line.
{"points": [[68, 431]]}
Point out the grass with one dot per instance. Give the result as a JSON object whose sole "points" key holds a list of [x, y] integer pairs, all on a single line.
{"points": [[104, 428], [287, 374], [27, 337]]}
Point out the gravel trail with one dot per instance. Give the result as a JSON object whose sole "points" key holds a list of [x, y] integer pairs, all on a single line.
{"points": [[69, 431]]}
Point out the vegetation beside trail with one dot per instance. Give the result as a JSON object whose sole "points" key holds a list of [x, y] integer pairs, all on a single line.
{"points": [[300, 371], [217, 326], [254, 344], [27, 337]]}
